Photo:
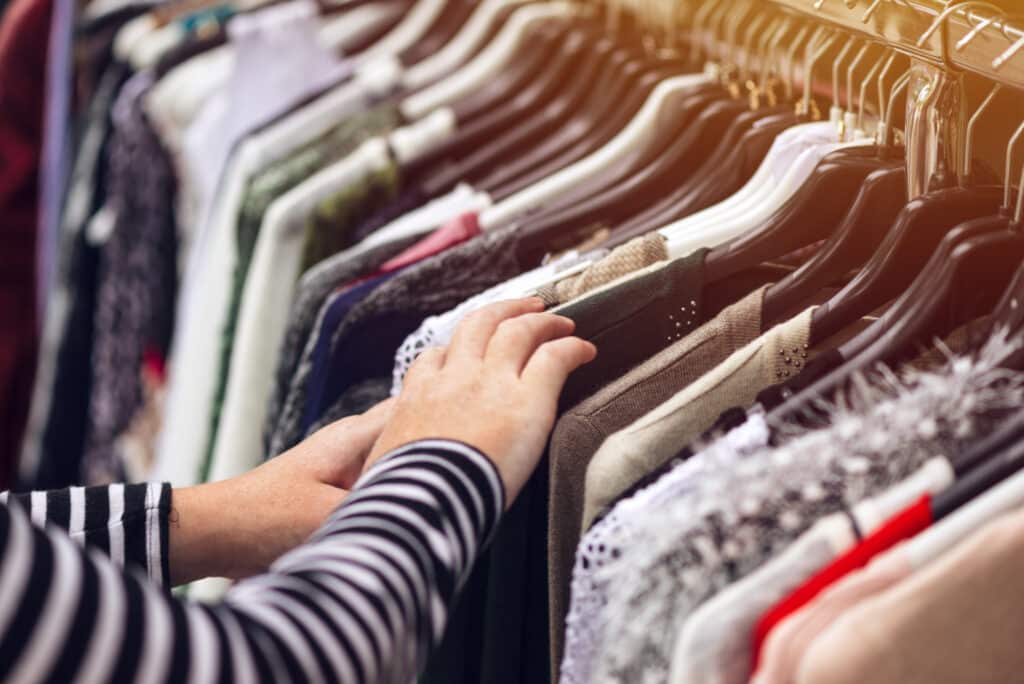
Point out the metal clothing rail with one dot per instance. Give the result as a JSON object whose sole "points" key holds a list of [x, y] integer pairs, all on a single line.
{"points": [[975, 36]]}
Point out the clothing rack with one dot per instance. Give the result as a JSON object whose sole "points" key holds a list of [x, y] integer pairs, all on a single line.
{"points": [[902, 23]]}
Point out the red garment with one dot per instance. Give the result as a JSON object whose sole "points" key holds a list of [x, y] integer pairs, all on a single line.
{"points": [[455, 232], [24, 37], [902, 526], [458, 230]]}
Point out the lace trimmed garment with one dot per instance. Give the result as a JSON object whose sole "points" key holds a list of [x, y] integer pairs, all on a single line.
{"points": [[672, 545], [585, 622], [677, 555], [437, 331]]}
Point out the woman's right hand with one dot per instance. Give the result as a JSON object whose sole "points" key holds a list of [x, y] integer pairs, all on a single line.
{"points": [[495, 387]]}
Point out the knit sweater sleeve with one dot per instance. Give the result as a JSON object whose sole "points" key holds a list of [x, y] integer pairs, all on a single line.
{"points": [[363, 601]]}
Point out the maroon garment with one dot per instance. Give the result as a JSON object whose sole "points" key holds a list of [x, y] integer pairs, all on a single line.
{"points": [[24, 36]]}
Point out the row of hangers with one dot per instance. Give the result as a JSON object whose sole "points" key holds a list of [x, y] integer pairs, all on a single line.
{"points": [[950, 255]]}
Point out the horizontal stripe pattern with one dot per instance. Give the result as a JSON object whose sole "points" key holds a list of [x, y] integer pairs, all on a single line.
{"points": [[363, 601]]}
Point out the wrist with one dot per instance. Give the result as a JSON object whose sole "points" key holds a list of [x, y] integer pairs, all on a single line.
{"points": [[202, 533]]}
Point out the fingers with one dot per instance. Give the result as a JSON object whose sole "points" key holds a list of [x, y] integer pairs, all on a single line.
{"points": [[516, 339], [475, 332], [553, 361], [426, 364]]}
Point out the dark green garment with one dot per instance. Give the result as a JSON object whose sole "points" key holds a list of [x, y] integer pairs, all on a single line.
{"points": [[262, 190], [332, 225]]}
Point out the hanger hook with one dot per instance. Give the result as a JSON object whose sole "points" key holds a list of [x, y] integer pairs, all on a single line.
{"points": [[881, 82], [761, 48], [870, 11], [863, 88], [811, 58], [849, 74], [771, 50], [941, 20], [749, 38], [836, 63], [888, 128], [791, 55], [969, 134], [1007, 186], [699, 27], [1018, 214]]}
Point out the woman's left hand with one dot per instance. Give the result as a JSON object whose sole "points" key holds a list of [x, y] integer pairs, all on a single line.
{"points": [[238, 527]]}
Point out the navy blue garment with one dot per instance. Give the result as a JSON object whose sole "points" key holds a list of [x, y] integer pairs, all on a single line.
{"points": [[337, 307]]}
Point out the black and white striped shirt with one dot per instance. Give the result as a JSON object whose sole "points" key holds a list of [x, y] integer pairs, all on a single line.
{"points": [[363, 601]]}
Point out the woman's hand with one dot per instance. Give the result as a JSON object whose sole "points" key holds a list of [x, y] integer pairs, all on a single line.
{"points": [[495, 387], [238, 527]]}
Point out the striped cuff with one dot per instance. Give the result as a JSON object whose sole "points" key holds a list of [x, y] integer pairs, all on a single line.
{"points": [[129, 523]]}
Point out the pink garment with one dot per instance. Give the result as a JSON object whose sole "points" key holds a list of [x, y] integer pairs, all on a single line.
{"points": [[461, 228], [792, 638]]}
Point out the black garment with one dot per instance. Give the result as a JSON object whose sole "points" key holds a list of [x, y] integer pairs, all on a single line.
{"points": [[364, 345], [631, 322], [57, 450]]}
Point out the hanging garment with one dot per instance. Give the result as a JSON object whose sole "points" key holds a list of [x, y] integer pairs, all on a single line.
{"points": [[137, 283], [364, 344], [52, 449], [652, 439], [954, 621], [313, 289], [579, 433], [280, 262], [55, 153], [624, 260], [23, 59], [585, 621], [208, 269], [653, 309], [271, 45], [731, 522], [907, 557], [793, 637], [330, 230], [715, 642], [437, 331]]}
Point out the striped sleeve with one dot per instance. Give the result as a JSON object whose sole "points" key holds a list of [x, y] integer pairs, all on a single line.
{"points": [[129, 523], [363, 601]]}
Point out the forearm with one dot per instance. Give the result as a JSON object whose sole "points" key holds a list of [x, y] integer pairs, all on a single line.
{"points": [[363, 601]]}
